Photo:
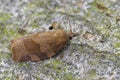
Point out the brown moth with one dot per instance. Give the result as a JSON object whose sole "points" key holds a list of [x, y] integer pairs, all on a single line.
{"points": [[41, 45]]}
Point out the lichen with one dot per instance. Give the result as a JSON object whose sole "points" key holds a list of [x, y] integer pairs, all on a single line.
{"points": [[84, 59]]}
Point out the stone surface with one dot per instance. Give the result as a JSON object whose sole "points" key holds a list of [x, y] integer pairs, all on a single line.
{"points": [[96, 59]]}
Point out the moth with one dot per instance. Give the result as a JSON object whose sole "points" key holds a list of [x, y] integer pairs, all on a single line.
{"points": [[41, 45]]}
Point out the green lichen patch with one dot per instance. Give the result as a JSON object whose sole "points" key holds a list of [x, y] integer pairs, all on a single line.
{"points": [[68, 76], [92, 73], [117, 34], [4, 17], [116, 44]]}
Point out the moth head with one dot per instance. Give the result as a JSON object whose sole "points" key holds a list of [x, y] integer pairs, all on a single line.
{"points": [[71, 35]]}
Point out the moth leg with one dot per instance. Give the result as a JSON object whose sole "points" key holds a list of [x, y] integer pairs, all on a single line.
{"points": [[50, 54], [34, 58]]}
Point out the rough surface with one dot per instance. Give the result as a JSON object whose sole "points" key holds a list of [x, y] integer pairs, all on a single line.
{"points": [[94, 55]]}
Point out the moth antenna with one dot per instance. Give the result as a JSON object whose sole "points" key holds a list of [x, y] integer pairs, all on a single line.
{"points": [[70, 25], [67, 17], [69, 22]]}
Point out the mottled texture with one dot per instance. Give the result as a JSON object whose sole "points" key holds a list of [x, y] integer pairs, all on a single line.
{"points": [[93, 56], [39, 46]]}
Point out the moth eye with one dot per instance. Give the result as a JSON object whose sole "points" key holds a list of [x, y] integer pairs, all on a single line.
{"points": [[70, 37], [51, 27]]}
